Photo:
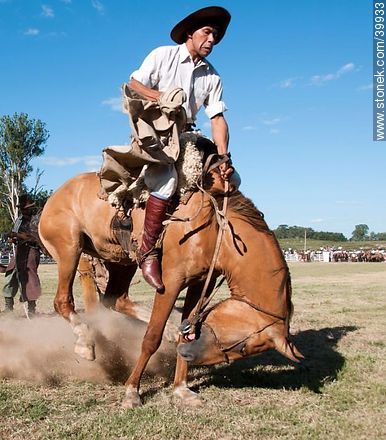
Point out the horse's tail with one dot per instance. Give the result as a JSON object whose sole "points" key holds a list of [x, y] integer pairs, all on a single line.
{"points": [[34, 230], [87, 282], [290, 306]]}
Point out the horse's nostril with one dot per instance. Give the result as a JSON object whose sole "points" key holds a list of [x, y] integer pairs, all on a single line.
{"points": [[185, 352]]}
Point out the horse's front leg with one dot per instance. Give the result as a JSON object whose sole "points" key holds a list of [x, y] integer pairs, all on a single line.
{"points": [[181, 391], [162, 307], [180, 386]]}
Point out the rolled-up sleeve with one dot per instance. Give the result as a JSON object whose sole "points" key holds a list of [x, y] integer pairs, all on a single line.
{"points": [[214, 104], [148, 73]]}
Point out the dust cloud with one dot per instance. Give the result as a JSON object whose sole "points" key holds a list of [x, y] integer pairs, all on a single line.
{"points": [[42, 349]]}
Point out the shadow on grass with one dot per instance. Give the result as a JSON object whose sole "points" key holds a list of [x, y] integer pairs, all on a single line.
{"points": [[323, 364]]}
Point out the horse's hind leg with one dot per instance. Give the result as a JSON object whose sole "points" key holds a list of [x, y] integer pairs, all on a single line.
{"points": [[67, 256], [118, 286]]}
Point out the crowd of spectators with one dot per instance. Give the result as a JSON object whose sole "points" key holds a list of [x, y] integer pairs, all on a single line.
{"points": [[332, 254]]}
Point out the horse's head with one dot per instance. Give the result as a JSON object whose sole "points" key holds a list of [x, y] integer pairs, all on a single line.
{"points": [[235, 329]]}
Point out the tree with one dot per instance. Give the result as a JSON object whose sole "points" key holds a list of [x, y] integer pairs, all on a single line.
{"points": [[360, 233], [5, 220], [21, 140]]}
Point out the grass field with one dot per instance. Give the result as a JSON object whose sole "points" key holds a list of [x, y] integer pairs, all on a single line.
{"points": [[338, 324]]}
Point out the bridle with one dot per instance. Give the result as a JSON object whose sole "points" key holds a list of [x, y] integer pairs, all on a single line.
{"points": [[188, 326], [242, 342]]}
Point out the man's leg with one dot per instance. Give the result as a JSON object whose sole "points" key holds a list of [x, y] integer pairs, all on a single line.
{"points": [[10, 289], [31, 288], [162, 181]]}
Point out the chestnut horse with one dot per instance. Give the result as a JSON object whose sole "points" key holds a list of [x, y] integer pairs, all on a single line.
{"points": [[256, 317]]}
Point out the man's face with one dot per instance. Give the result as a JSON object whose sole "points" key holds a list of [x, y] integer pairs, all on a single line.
{"points": [[202, 40]]}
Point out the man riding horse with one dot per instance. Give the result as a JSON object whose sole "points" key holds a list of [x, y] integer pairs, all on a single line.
{"points": [[184, 66]]}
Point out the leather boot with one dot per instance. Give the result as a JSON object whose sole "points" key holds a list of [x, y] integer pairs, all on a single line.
{"points": [[8, 304], [147, 256]]}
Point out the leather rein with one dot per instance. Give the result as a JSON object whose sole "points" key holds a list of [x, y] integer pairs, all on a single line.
{"points": [[188, 326], [242, 342]]}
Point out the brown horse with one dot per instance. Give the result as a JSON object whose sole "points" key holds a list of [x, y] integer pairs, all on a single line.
{"points": [[75, 220]]}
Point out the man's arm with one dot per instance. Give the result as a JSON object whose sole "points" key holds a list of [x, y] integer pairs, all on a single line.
{"points": [[220, 135], [146, 92]]}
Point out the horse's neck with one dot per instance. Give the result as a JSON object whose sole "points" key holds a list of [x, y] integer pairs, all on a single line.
{"points": [[253, 263]]}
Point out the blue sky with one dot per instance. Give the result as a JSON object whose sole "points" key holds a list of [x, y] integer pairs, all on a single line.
{"points": [[297, 81]]}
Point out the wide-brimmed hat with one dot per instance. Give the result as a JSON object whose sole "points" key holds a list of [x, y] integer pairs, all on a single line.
{"points": [[212, 15]]}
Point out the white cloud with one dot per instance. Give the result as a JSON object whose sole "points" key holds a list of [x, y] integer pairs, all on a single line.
{"points": [[274, 130], [317, 220], [92, 163], [366, 87], [318, 80], [115, 104], [249, 128], [47, 11], [272, 121], [96, 4], [32, 32], [288, 83]]}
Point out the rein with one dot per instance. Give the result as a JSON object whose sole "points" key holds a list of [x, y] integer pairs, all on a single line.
{"points": [[188, 325], [207, 168], [225, 350]]}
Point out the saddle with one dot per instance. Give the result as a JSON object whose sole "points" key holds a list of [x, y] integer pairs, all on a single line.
{"points": [[194, 150]]}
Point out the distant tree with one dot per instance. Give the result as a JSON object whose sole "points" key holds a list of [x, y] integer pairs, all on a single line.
{"points": [[298, 232], [21, 140], [5, 220], [281, 231], [328, 236], [360, 233], [377, 236]]}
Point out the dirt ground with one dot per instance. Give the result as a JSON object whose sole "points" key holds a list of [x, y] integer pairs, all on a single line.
{"points": [[339, 324]]}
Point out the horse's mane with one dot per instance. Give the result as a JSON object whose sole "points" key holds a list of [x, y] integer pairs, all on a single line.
{"points": [[245, 209]]}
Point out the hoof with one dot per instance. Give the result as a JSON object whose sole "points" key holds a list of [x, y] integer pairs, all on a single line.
{"points": [[85, 351], [84, 345], [131, 400], [188, 397]]}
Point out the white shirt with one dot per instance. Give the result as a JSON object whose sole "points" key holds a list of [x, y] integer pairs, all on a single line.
{"points": [[168, 67]]}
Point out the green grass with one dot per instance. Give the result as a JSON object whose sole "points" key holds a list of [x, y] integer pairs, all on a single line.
{"points": [[339, 324]]}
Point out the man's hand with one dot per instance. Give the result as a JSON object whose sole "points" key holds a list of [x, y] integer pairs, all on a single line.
{"points": [[22, 236], [226, 170], [146, 92]]}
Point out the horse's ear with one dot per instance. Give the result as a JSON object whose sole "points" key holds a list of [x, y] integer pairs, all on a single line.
{"points": [[206, 146], [234, 182]]}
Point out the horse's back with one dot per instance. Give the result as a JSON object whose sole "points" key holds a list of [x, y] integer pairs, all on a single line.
{"points": [[74, 209]]}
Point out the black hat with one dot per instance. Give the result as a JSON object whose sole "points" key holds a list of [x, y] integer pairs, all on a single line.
{"points": [[212, 15]]}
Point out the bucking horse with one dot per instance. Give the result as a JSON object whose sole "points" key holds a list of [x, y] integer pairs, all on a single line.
{"points": [[217, 231]]}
